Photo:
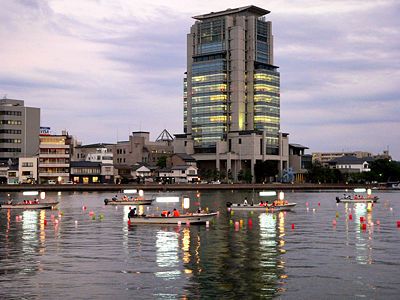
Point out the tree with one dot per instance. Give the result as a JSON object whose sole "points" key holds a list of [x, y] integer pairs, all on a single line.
{"points": [[162, 162]]}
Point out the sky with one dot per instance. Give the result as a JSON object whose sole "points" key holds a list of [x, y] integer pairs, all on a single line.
{"points": [[102, 69]]}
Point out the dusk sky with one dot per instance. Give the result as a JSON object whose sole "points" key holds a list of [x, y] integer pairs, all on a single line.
{"points": [[102, 69]]}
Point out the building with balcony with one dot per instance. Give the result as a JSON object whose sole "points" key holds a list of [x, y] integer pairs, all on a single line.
{"points": [[19, 130], [54, 158]]}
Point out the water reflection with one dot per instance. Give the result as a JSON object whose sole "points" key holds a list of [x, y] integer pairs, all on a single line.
{"points": [[363, 237], [167, 248]]}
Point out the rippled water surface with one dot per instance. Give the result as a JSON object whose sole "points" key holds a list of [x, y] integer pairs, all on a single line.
{"points": [[93, 253]]}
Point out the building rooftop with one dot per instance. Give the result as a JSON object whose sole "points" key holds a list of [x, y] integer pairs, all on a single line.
{"points": [[349, 159], [298, 146], [230, 11], [185, 157], [98, 145]]}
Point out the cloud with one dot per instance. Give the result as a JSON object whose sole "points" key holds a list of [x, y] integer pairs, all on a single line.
{"points": [[104, 68]]}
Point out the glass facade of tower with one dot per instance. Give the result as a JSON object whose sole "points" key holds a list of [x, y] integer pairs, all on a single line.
{"points": [[267, 106], [229, 52], [209, 85]]}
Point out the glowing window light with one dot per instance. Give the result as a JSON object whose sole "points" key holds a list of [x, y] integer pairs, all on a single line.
{"points": [[360, 190], [167, 199], [267, 193], [130, 191], [30, 193]]}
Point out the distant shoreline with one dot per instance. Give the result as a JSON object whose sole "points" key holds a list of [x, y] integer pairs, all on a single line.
{"points": [[183, 187]]}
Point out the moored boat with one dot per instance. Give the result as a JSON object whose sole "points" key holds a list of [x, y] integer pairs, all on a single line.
{"points": [[261, 208], [195, 218], [113, 201], [48, 205]]}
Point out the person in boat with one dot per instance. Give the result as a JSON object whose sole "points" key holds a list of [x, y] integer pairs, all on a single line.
{"points": [[132, 213], [165, 213], [262, 203], [245, 201], [176, 213]]}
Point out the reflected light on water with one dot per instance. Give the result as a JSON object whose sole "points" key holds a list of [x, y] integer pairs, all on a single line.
{"points": [[363, 246], [167, 248]]}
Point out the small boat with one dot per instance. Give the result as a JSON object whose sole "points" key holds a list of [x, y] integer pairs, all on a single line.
{"points": [[354, 199], [114, 201], [195, 218], [263, 208], [358, 197], [48, 205]]}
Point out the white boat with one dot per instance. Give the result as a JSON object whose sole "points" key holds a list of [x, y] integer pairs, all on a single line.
{"points": [[195, 218], [114, 201], [353, 199], [48, 205], [358, 196], [261, 208]]}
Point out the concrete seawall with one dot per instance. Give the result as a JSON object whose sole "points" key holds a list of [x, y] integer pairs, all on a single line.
{"points": [[178, 187]]}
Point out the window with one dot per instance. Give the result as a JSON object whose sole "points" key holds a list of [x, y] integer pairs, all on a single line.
{"points": [[240, 141]]}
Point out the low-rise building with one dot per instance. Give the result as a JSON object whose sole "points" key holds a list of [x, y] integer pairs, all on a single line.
{"points": [[28, 169], [86, 172], [139, 149], [351, 164], [178, 174]]}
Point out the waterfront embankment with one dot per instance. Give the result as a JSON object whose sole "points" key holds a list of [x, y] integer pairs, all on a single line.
{"points": [[180, 187]]}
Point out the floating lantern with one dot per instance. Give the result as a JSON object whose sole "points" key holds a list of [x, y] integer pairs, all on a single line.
{"points": [[236, 225], [207, 224], [308, 209], [83, 207], [250, 222], [76, 222], [369, 192], [391, 209], [241, 223], [129, 222], [337, 215], [378, 222], [231, 222], [56, 221], [398, 223], [334, 222], [188, 223], [186, 203], [362, 219], [363, 226], [306, 203], [281, 196], [319, 203], [313, 210], [292, 226], [141, 193], [42, 195], [91, 213], [45, 222], [350, 217]]}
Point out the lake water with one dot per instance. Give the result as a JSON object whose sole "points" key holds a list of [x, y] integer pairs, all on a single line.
{"points": [[81, 256]]}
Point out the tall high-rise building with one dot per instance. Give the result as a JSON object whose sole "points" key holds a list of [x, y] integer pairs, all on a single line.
{"points": [[232, 92], [231, 82], [19, 129]]}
